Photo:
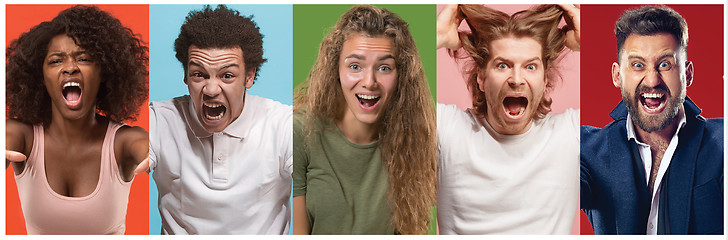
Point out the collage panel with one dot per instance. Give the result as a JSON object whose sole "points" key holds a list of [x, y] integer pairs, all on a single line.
{"points": [[220, 146], [364, 120], [94, 79], [671, 92], [507, 119]]}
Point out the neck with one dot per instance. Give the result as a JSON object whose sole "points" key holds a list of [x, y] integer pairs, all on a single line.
{"points": [[503, 129], [356, 131], [661, 138], [71, 130]]}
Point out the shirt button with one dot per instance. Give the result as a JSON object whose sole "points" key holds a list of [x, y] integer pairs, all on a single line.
{"points": [[219, 158], [652, 226]]}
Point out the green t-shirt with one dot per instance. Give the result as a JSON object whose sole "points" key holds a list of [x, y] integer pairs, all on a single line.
{"points": [[345, 183]]}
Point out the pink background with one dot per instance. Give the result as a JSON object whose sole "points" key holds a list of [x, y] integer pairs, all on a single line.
{"points": [[451, 87]]}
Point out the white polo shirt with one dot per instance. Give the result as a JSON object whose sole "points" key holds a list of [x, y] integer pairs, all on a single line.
{"points": [[237, 181]]}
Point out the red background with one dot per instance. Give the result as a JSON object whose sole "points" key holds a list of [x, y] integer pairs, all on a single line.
{"points": [[599, 51], [19, 19]]}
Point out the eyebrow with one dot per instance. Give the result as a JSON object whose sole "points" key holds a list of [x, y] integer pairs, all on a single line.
{"points": [[360, 57], [230, 65], [507, 60], [636, 57], [61, 54], [193, 63]]}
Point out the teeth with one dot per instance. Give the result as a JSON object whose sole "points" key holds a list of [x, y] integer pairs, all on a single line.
{"points": [[362, 96], [652, 95], [71, 84], [218, 117], [212, 105]]}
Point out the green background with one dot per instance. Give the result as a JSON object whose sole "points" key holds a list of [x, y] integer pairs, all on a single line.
{"points": [[312, 22]]}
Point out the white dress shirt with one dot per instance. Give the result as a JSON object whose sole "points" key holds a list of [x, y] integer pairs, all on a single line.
{"points": [[646, 155], [237, 181]]}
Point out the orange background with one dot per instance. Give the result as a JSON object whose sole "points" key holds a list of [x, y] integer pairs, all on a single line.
{"points": [[19, 19]]}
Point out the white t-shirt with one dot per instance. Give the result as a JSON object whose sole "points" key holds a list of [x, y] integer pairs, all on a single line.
{"points": [[237, 181], [490, 183]]}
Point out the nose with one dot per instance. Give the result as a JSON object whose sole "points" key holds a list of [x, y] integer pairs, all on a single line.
{"points": [[652, 78], [516, 78], [369, 79], [70, 67], [212, 87]]}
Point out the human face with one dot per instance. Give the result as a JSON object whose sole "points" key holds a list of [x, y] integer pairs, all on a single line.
{"points": [[368, 75], [217, 82], [71, 77], [513, 83], [652, 75]]}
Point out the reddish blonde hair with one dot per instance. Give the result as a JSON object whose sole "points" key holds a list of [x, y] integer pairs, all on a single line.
{"points": [[487, 25]]}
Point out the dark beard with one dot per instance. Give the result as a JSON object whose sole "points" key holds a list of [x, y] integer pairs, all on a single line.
{"points": [[656, 122]]}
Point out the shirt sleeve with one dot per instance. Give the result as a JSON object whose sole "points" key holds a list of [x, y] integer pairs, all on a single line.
{"points": [[300, 157], [153, 137], [287, 147]]}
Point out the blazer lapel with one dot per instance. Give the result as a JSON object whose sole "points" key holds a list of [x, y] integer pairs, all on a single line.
{"points": [[682, 171], [631, 205]]}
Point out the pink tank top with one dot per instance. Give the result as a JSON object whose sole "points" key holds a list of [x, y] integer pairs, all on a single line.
{"points": [[47, 212]]}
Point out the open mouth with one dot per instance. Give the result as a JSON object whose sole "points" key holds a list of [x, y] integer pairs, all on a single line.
{"points": [[72, 93], [213, 111], [514, 107], [652, 102], [368, 101]]}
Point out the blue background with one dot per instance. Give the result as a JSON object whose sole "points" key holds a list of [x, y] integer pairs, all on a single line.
{"points": [[166, 73]]}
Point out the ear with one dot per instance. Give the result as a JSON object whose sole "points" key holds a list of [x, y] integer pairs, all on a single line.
{"points": [[688, 73], [250, 78], [481, 82], [615, 75]]}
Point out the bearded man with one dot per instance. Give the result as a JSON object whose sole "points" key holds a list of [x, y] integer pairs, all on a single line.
{"points": [[658, 167]]}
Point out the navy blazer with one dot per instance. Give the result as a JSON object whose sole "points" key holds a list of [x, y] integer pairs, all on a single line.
{"points": [[614, 192]]}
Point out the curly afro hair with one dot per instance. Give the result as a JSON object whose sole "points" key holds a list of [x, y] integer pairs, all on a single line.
{"points": [[221, 28], [120, 54]]}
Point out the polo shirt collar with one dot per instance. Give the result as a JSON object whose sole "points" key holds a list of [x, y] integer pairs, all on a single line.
{"points": [[238, 128]]}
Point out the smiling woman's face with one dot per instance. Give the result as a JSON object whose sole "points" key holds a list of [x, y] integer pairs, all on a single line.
{"points": [[368, 75], [71, 77]]}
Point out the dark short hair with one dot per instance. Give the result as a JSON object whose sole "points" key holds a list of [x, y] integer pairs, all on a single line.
{"points": [[651, 20], [221, 28], [121, 56]]}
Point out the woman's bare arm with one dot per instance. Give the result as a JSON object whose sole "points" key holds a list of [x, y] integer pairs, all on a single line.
{"points": [[301, 226], [133, 144], [18, 142]]}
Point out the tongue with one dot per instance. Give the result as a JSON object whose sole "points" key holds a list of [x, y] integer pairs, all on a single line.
{"points": [[73, 94], [653, 102], [514, 105], [369, 102]]}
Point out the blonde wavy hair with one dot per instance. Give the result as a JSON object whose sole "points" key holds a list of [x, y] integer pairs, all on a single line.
{"points": [[487, 25], [407, 132]]}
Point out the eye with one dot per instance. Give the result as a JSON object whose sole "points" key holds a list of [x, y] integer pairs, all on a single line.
{"points": [[228, 76], [385, 68], [531, 67], [54, 61], [637, 65], [197, 75], [665, 66], [355, 67], [502, 66]]}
